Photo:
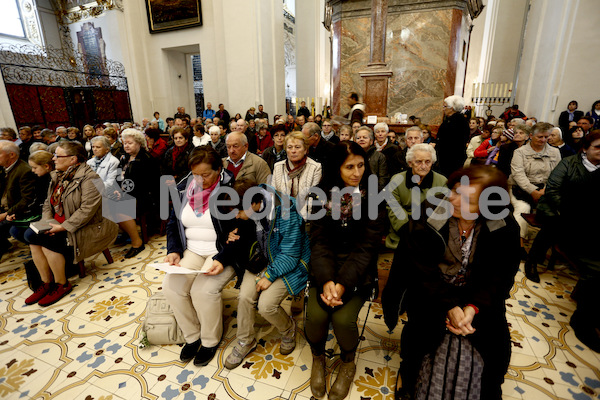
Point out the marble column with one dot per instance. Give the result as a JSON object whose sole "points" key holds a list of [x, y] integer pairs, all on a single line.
{"points": [[376, 76]]}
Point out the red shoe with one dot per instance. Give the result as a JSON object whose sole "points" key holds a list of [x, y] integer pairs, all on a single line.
{"points": [[40, 293], [56, 294]]}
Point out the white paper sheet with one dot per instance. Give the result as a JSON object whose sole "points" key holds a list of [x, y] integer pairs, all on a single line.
{"points": [[174, 269]]}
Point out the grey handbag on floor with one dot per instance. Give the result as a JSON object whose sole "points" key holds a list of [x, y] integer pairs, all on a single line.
{"points": [[452, 372], [160, 326]]}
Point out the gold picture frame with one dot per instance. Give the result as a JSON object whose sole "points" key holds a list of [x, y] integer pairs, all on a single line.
{"points": [[170, 15]]}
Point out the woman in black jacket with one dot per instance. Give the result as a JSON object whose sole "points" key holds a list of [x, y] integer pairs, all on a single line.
{"points": [[139, 179], [562, 211], [450, 276], [452, 136], [343, 265], [175, 160]]}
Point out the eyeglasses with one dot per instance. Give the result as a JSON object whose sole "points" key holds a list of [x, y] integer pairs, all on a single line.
{"points": [[57, 156]]}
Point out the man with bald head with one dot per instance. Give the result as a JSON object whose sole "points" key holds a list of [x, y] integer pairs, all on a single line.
{"points": [[241, 162]]}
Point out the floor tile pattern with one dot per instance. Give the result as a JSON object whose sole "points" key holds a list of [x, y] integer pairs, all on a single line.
{"points": [[87, 345]]}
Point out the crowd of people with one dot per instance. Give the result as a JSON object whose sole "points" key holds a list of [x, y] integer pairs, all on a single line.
{"points": [[284, 203]]}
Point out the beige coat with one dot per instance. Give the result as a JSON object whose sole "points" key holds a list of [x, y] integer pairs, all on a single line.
{"points": [[529, 168], [311, 176], [254, 167], [87, 231]]}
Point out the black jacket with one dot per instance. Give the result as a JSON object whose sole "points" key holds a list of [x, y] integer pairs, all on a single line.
{"points": [[270, 156], [181, 168], [563, 120], [303, 111], [415, 283], [346, 253], [453, 136], [320, 152], [144, 172]]}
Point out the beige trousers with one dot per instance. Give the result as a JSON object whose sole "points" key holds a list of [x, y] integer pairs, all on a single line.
{"points": [[196, 300], [269, 306]]}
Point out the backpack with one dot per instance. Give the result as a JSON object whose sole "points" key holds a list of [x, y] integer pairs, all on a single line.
{"points": [[160, 325]]}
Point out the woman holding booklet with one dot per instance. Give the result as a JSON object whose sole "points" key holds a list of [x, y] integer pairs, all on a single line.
{"points": [[196, 240], [75, 204]]}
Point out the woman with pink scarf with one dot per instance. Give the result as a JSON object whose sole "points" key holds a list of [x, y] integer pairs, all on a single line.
{"points": [[196, 240]]}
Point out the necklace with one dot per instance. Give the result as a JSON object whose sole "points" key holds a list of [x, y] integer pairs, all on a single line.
{"points": [[464, 233]]}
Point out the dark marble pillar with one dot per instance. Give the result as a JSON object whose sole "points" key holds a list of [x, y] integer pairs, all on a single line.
{"points": [[376, 76]]}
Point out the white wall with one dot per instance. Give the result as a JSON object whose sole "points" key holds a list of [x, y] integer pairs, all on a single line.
{"points": [[313, 49], [494, 49], [558, 61], [241, 53]]}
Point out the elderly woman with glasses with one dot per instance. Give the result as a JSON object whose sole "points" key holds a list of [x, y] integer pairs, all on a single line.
{"points": [[75, 206]]}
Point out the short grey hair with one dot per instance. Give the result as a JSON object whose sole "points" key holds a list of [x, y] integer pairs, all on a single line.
{"points": [[312, 128], [8, 146], [101, 139], [380, 125], [215, 129], [369, 130], [131, 133], [455, 102], [416, 129], [243, 138], [426, 148], [541, 127], [522, 127], [517, 121]]}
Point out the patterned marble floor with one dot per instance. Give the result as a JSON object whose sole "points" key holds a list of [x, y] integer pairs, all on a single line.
{"points": [[86, 345]]}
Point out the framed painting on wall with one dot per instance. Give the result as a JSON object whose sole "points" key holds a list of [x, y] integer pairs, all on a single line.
{"points": [[169, 15]]}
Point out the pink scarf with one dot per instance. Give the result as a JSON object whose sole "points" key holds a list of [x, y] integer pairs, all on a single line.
{"points": [[198, 197]]}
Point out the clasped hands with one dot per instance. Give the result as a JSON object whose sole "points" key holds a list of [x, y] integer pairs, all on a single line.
{"points": [[458, 320], [332, 294]]}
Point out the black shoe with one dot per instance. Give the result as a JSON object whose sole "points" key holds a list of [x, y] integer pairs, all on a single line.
{"points": [[585, 332], [134, 251], [402, 395], [531, 272], [189, 350], [205, 354]]}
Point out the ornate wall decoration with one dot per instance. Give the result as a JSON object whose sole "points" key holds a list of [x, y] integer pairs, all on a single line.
{"points": [[70, 11], [54, 87], [57, 67]]}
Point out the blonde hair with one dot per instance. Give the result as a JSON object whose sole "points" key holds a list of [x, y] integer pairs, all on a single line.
{"points": [[136, 135], [42, 157], [296, 135]]}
